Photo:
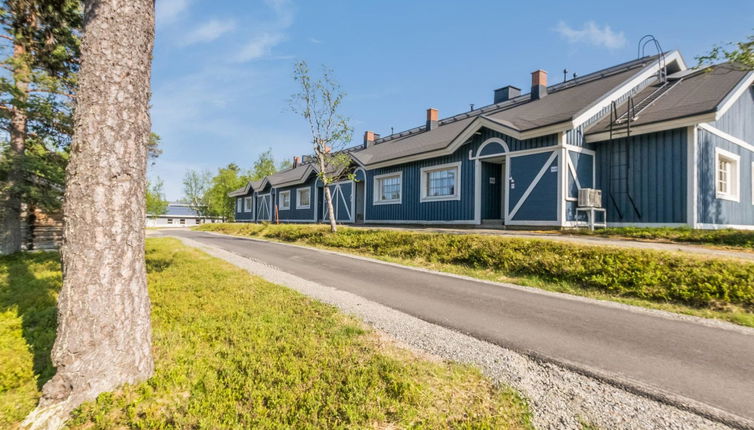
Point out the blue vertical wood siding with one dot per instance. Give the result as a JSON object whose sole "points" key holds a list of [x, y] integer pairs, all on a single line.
{"points": [[462, 210], [294, 214], [244, 216], [343, 203], [656, 177], [542, 203], [710, 209], [584, 166]]}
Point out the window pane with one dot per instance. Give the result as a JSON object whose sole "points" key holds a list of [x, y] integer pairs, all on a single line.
{"points": [[303, 198], [390, 188], [441, 183]]}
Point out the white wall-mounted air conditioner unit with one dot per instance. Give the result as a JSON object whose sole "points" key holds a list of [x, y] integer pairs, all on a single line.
{"points": [[590, 198]]}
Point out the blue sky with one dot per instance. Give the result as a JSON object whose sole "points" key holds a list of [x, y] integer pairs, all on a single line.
{"points": [[223, 69]]}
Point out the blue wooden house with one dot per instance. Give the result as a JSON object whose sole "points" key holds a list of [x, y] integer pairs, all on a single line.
{"points": [[665, 144]]}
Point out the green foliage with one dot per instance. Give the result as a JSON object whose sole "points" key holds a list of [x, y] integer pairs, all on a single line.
{"points": [[195, 187], [642, 274], [233, 351], [725, 237], [264, 166], [227, 179], [29, 284], [156, 203], [741, 54]]}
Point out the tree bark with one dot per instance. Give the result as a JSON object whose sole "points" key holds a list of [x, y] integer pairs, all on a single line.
{"points": [[328, 195], [10, 209], [104, 332]]}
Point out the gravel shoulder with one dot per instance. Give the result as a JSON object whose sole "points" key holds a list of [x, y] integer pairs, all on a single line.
{"points": [[560, 398]]}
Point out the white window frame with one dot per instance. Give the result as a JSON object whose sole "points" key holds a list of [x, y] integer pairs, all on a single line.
{"points": [[248, 204], [239, 205], [734, 180], [423, 182], [281, 200], [298, 198], [377, 191]]}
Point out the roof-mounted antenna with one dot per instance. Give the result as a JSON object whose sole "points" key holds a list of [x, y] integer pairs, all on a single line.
{"points": [[471, 107], [649, 39], [565, 75], [574, 75], [392, 131]]}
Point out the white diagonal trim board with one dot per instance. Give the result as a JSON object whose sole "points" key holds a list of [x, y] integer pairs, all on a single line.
{"points": [[533, 184]]}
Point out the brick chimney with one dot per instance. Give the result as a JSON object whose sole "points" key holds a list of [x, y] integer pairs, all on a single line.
{"points": [[506, 93], [538, 84], [296, 161], [369, 138], [432, 115]]}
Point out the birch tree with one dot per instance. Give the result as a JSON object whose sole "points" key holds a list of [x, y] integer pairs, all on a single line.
{"points": [[104, 334], [319, 102]]}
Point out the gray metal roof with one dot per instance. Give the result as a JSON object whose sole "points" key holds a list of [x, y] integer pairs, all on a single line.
{"points": [[563, 102], [690, 94]]}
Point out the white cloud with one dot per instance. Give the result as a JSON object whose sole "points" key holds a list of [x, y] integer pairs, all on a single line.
{"points": [[315, 41], [592, 33], [259, 46], [209, 31], [169, 10]]}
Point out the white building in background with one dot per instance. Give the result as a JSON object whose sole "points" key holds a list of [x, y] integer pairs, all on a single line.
{"points": [[179, 215]]}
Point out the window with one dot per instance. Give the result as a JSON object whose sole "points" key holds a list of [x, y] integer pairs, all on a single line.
{"points": [[303, 198], [183, 221], [170, 220], [239, 205], [441, 182], [727, 175], [198, 221], [285, 200], [387, 188], [247, 204]]}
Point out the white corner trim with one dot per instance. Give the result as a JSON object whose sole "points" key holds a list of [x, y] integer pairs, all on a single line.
{"points": [[424, 198], [692, 176], [533, 184], [735, 176], [734, 95], [377, 192], [298, 198], [730, 138], [478, 191]]}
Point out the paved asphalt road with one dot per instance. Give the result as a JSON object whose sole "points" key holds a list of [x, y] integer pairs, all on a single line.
{"points": [[714, 366]]}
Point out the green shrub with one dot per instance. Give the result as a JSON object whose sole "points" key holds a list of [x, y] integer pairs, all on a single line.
{"points": [[724, 237], [644, 274]]}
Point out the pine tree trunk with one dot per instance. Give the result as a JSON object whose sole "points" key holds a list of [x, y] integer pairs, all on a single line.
{"points": [[104, 333], [10, 207]]}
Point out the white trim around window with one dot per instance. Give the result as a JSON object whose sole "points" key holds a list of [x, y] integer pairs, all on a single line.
{"points": [[308, 191], [451, 182], [239, 205], [284, 200], [727, 175], [248, 205], [378, 180]]}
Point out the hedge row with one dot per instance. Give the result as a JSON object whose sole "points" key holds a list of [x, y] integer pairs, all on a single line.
{"points": [[645, 274]]}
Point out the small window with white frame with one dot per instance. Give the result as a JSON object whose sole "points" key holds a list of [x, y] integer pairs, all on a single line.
{"points": [[303, 198], [388, 188], [284, 199], [247, 204], [441, 182], [727, 175], [239, 205]]}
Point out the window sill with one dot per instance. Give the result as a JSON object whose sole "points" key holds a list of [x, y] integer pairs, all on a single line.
{"points": [[728, 197], [439, 199], [386, 202], [304, 207]]}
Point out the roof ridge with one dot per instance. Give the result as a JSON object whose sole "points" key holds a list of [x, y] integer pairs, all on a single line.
{"points": [[524, 98]]}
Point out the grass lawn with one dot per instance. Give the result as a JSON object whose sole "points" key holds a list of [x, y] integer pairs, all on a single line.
{"points": [[234, 351], [694, 285], [725, 238]]}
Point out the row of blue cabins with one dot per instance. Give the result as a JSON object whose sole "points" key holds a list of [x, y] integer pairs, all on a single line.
{"points": [[665, 144]]}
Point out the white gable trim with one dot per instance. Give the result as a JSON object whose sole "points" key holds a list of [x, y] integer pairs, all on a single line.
{"points": [[605, 100], [734, 95], [730, 138]]}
